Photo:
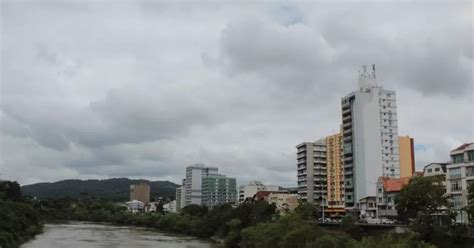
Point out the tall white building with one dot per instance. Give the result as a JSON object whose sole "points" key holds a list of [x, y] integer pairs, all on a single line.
{"points": [[250, 189], [181, 196], [370, 137], [193, 182]]}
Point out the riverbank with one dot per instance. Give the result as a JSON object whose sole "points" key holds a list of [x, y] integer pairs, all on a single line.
{"points": [[19, 223]]}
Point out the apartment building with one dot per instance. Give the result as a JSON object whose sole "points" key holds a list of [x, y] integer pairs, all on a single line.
{"points": [[311, 171], [193, 183], [370, 138], [218, 189], [460, 174], [335, 175], [140, 192], [181, 196], [387, 189]]}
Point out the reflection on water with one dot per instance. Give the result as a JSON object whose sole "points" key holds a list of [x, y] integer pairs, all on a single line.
{"points": [[91, 235]]}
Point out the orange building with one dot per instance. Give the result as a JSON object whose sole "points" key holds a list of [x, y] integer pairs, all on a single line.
{"points": [[140, 192], [407, 156], [335, 174]]}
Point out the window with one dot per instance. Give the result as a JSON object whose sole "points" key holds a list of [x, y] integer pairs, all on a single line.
{"points": [[430, 170], [470, 156], [459, 158], [457, 200], [455, 173], [456, 185], [436, 169]]}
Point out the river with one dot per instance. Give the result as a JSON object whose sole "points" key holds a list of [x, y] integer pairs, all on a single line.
{"points": [[93, 235]]}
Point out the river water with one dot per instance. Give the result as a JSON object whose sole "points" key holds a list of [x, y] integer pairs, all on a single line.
{"points": [[93, 235]]}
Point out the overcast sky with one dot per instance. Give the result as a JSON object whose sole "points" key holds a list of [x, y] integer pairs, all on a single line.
{"points": [[142, 89]]}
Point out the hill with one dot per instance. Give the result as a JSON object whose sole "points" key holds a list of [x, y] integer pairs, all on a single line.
{"points": [[112, 189]]}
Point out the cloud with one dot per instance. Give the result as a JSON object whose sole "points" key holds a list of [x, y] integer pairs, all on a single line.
{"points": [[143, 89]]}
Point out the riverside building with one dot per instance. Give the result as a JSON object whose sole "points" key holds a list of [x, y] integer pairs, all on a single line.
{"points": [[370, 138], [193, 182], [311, 171]]}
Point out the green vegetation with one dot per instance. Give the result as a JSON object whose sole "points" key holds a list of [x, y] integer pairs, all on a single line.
{"points": [[470, 198], [424, 205], [18, 220], [253, 224], [115, 189]]}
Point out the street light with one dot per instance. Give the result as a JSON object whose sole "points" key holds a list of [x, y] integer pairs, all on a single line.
{"points": [[322, 207]]}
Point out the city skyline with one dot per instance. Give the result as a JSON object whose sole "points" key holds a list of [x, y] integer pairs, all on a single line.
{"points": [[110, 92]]}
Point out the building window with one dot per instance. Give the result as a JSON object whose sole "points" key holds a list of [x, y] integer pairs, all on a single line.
{"points": [[458, 158], [456, 185], [436, 169], [470, 156], [455, 173], [430, 170], [457, 201]]}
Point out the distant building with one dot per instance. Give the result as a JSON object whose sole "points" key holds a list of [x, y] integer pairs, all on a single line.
{"points": [[387, 189], [311, 171], [193, 182], [135, 206], [407, 156], [218, 189], [249, 190], [170, 207], [370, 138], [140, 192], [283, 201], [435, 169], [460, 174]]}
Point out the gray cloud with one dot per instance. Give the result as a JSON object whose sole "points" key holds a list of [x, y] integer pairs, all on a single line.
{"points": [[143, 89]]}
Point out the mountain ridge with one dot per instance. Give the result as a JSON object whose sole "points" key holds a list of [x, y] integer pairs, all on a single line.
{"points": [[110, 189]]}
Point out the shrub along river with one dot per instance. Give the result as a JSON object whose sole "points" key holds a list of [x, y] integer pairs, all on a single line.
{"points": [[92, 235]]}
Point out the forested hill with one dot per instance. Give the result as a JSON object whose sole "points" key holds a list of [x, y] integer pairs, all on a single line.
{"points": [[111, 189]]}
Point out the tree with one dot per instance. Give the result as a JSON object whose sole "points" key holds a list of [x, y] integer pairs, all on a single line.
{"points": [[422, 200], [424, 204], [10, 191], [470, 201], [307, 211]]}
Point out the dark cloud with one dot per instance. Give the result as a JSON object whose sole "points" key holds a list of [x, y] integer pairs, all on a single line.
{"points": [[143, 89]]}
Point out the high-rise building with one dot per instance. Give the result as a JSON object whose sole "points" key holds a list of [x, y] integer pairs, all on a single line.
{"points": [[335, 174], [193, 183], [311, 171], [181, 196], [459, 176], [250, 189], [370, 138], [140, 192], [407, 156], [218, 189]]}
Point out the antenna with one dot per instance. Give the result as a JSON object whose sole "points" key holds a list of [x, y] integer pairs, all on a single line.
{"points": [[373, 70]]}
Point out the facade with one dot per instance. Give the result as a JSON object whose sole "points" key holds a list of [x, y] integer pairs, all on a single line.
{"points": [[181, 196], [311, 171], [407, 156], [460, 174], [435, 169], [140, 192], [193, 182], [135, 206], [283, 201], [170, 207], [218, 189], [335, 175], [249, 190], [370, 138], [387, 189]]}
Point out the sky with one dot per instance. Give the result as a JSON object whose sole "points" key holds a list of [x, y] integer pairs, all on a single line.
{"points": [[142, 89]]}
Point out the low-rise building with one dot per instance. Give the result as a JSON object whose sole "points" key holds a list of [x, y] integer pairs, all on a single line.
{"points": [[435, 169], [283, 201], [460, 174], [135, 206], [387, 189], [170, 207], [249, 190]]}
